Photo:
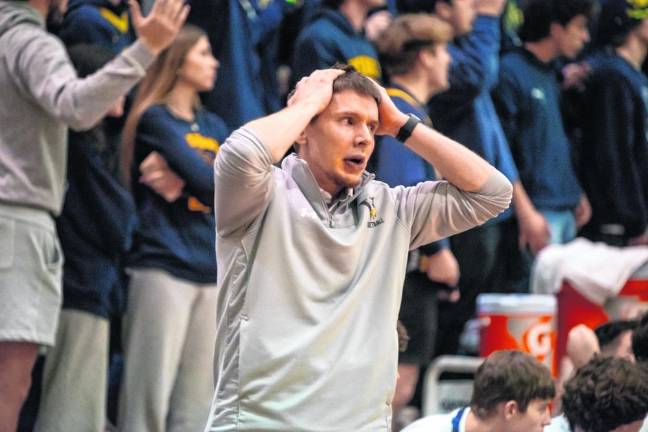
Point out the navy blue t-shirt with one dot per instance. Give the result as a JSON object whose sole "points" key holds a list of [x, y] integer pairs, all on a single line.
{"points": [[178, 237], [528, 102]]}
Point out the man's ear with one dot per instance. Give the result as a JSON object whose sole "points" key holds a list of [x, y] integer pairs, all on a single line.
{"points": [[426, 56], [556, 30], [301, 139], [510, 409]]}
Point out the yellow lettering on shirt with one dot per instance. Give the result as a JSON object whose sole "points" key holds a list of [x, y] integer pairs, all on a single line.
{"points": [[637, 9], [194, 205], [207, 147], [119, 22], [367, 66], [198, 141]]}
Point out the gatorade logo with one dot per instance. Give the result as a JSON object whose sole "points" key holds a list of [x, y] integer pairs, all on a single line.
{"points": [[538, 339]]}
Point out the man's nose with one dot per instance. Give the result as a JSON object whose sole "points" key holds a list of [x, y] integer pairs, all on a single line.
{"points": [[364, 135]]}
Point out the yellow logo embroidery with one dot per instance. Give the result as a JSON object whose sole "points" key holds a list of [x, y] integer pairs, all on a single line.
{"points": [[366, 65], [374, 219], [119, 22]]}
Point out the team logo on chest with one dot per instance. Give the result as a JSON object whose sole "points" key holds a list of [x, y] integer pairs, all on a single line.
{"points": [[374, 218]]}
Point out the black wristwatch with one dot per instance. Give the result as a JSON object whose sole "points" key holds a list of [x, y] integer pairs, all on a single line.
{"points": [[407, 129]]}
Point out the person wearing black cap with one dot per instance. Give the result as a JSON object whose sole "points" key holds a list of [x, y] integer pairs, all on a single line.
{"points": [[613, 120]]}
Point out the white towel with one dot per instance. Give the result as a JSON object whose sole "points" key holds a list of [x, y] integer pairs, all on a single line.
{"points": [[597, 271]]}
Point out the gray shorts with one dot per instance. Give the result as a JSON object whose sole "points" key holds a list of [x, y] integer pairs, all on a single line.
{"points": [[31, 264]]}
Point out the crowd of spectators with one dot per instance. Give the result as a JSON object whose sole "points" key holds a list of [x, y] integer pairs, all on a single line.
{"points": [[549, 92]]}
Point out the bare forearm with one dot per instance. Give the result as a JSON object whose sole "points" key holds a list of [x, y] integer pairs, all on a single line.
{"points": [[459, 165], [521, 201], [279, 131]]}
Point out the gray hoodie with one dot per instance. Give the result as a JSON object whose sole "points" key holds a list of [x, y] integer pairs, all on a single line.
{"points": [[41, 96]]}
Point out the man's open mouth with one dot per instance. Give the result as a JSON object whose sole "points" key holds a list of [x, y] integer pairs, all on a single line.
{"points": [[356, 162]]}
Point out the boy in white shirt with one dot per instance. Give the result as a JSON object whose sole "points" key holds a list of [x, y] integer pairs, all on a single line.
{"points": [[512, 392]]}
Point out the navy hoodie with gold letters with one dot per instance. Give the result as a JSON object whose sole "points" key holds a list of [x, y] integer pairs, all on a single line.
{"points": [[178, 237], [330, 39]]}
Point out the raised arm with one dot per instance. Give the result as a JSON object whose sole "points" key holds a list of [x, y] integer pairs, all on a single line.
{"points": [[280, 130], [473, 193], [243, 167], [460, 166], [47, 74]]}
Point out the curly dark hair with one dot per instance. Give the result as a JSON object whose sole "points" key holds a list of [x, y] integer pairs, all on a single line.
{"points": [[606, 393]]}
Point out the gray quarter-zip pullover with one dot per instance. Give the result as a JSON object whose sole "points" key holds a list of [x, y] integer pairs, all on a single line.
{"points": [[309, 295]]}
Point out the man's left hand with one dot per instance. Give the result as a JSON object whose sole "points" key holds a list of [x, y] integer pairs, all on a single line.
{"points": [[391, 118], [583, 212]]}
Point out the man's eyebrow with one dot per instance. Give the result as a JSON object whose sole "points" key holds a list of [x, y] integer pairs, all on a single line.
{"points": [[351, 113]]}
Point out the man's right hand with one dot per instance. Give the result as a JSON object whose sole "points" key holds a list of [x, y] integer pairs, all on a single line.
{"points": [[316, 89], [159, 28], [490, 7], [443, 268], [534, 231]]}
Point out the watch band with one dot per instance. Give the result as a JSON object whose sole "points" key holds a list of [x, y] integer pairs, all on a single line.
{"points": [[407, 129]]}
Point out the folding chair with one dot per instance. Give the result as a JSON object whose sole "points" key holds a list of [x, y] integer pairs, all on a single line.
{"points": [[444, 395]]}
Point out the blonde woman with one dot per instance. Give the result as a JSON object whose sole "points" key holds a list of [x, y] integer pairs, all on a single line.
{"points": [[169, 329]]}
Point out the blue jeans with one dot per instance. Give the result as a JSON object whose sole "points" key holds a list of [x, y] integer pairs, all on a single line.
{"points": [[562, 225], [562, 228]]}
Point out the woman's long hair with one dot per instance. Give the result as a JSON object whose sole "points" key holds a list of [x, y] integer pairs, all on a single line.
{"points": [[160, 79]]}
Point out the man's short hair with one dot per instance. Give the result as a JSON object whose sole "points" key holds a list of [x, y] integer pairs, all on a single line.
{"points": [[416, 6], [606, 393], [608, 333], [640, 340], [510, 376], [540, 14], [400, 43], [351, 80], [354, 81]]}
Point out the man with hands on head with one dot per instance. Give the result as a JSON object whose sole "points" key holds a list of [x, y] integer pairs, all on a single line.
{"points": [[42, 96], [313, 254]]}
